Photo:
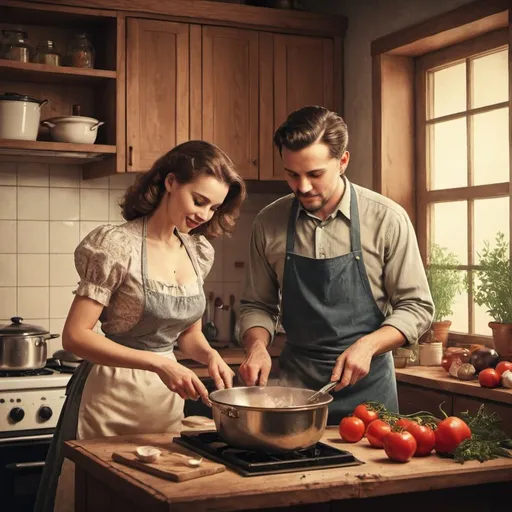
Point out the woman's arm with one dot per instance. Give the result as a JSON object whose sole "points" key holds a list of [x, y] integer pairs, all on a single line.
{"points": [[194, 345], [79, 338]]}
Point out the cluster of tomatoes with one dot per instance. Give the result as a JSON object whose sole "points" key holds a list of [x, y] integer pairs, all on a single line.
{"points": [[403, 438], [493, 377]]}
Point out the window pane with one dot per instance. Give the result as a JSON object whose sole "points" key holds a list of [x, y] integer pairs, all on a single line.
{"points": [[449, 223], [449, 90], [460, 317], [489, 75], [449, 155], [490, 217], [490, 147], [482, 318]]}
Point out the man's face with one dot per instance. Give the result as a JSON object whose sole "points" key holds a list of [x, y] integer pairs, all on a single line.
{"points": [[314, 177]]}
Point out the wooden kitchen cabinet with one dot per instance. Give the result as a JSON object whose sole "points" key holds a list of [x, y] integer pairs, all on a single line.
{"points": [[414, 398], [157, 89]]}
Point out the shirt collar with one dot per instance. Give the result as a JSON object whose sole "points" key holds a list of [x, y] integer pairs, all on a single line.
{"points": [[342, 207]]}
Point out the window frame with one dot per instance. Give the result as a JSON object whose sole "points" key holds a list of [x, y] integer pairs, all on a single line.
{"points": [[425, 197]]}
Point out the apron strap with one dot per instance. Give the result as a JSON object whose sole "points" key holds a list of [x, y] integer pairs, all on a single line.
{"points": [[290, 231], [144, 260]]}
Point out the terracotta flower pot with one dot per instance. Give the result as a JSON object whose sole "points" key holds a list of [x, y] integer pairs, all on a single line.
{"points": [[439, 331], [502, 338]]}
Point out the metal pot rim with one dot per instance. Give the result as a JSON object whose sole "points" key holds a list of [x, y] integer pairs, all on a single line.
{"points": [[322, 401], [18, 328]]}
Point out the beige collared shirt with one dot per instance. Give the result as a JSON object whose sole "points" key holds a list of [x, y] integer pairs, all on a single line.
{"points": [[390, 253]]}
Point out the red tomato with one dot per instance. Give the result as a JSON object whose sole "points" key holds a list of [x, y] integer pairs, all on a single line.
{"points": [[424, 436], [363, 413], [450, 433], [503, 366], [400, 446], [489, 378], [352, 429], [404, 423], [376, 431]]}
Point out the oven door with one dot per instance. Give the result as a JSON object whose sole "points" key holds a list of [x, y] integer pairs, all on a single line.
{"points": [[21, 467]]}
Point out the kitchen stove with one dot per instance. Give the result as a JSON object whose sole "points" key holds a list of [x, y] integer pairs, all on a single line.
{"points": [[252, 463], [30, 401]]}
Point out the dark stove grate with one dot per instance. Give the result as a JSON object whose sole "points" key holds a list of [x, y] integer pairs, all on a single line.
{"points": [[25, 373], [252, 463]]}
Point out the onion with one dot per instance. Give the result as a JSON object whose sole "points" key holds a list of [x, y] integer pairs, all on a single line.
{"points": [[466, 372], [483, 358]]}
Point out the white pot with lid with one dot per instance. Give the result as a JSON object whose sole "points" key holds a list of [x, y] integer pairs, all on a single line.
{"points": [[74, 129], [19, 116]]}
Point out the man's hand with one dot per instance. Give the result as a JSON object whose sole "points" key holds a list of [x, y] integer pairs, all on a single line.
{"points": [[353, 364], [256, 367]]}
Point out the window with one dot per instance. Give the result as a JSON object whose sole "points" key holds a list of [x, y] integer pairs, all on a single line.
{"points": [[463, 159]]}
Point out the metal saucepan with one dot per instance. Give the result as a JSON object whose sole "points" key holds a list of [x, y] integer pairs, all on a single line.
{"points": [[23, 346], [271, 419]]}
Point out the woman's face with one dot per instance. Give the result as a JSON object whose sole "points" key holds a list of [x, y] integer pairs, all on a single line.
{"points": [[192, 204]]}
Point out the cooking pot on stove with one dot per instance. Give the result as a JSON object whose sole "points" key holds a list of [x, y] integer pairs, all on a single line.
{"points": [[23, 346], [270, 419]]}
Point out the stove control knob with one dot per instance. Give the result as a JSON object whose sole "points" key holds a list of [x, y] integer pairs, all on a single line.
{"points": [[45, 413], [17, 414]]}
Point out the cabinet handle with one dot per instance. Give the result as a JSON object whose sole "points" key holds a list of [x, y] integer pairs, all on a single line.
{"points": [[130, 156], [255, 161]]}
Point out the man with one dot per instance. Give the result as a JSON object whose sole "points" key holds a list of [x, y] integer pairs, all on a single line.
{"points": [[340, 264]]}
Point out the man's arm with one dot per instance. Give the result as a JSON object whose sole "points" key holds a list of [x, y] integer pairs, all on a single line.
{"points": [[259, 310]]}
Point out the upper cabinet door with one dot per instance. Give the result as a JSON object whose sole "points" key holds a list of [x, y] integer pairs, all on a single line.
{"points": [[230, 88], [296, 71], [157, 89]]}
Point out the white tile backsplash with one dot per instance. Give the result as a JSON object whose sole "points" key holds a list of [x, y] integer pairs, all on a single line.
{"points": [[33, 302], [7, 202], [8, 236], [64, 204], [7, 269], [94, 204], [45, 210], [33, 236], [33, 270], [33, 203]]}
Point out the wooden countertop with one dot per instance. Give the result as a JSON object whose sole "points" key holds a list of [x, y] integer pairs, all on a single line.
{"points": [[435, 377], [229, 491]]}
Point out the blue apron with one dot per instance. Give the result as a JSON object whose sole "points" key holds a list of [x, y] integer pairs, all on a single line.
{"points": [[327, 305]]}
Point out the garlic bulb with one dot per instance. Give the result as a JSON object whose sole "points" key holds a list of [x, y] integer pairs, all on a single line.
{"points": [[466, 372], [506, 379], [147, 453], [454, 368]]}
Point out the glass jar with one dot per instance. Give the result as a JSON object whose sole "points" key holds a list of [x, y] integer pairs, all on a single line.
{"points": [[453, 353], [80, 52], [47, 53], [17, 47]]}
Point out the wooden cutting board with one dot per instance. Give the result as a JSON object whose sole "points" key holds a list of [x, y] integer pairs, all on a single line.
{"points": [[170, 466]]}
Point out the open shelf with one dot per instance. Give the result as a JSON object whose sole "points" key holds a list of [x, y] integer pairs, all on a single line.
{"points": [[55, 151], [42, 73]]}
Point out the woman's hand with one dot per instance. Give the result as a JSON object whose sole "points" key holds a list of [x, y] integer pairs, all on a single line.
{"points": [[219, 371], [181, 380]]}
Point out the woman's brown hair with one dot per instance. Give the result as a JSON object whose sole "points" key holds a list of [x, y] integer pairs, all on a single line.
{"points": [[187, 162]]}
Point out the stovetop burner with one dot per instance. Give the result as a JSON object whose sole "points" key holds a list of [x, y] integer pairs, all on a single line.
{"points": [[253, 463], [25, 373], [56, 365]]}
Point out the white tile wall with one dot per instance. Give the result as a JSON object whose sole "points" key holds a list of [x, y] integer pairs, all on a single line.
{"points": [[45, 210]]}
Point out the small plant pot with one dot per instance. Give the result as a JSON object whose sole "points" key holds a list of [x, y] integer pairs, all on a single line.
{"points": [[502, 338], [438, 331]]}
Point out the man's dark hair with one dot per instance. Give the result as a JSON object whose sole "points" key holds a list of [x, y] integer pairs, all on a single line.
{"points": [[313, 124]]}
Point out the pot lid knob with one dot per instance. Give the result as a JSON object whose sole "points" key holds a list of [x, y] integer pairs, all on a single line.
{"points": [[16, 320]]}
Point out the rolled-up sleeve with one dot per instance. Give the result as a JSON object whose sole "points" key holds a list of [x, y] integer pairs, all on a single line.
{"points": [[259, 305], [406, 282]]}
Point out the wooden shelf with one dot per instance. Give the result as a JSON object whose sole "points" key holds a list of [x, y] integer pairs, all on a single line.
{"points": [[42, 73], [54, 151]]}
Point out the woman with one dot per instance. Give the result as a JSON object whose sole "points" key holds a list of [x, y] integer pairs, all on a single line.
{"points": [[143, 280]]}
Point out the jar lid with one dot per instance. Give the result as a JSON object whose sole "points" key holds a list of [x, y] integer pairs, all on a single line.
{"points": [[18, 328], [14, 96]]}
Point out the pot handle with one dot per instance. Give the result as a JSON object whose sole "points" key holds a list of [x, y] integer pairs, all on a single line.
{"points": [[53, 336], [42, 104], [96, 126], [230, 412], [47, 123]]}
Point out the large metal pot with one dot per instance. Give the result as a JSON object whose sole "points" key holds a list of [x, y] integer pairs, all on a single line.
{"points": [[270, 419], [23, 346]]}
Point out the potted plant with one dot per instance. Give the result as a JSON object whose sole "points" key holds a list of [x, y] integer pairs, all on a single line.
{"points": [[445, 282], [494, 291]]}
